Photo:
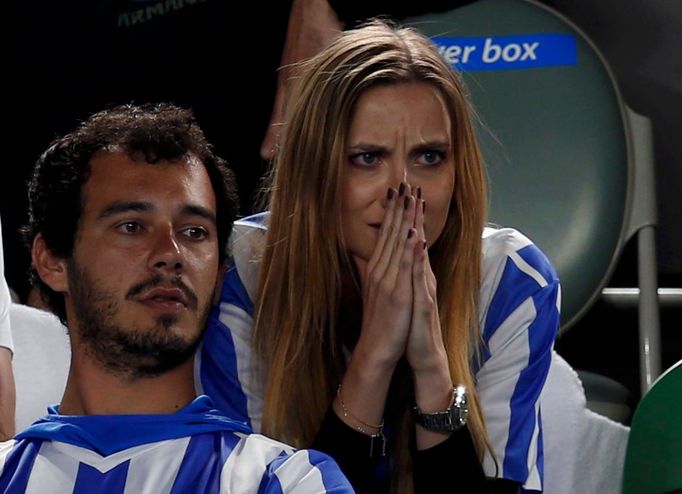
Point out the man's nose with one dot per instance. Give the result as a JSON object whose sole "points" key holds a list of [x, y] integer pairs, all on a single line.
{"points": [[167, 252]]}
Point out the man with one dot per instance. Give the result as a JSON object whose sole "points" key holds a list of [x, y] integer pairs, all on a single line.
{"points": [[128, 222]]}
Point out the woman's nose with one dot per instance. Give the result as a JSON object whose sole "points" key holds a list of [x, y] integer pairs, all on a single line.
{"points": [[397, 175]]}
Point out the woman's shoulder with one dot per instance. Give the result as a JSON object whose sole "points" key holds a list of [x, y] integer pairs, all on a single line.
{"points": [[257, 221], [513, 270], [245, 250], [507, 249]]}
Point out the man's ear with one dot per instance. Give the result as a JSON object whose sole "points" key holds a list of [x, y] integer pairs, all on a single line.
{"points": [[52, 269]]}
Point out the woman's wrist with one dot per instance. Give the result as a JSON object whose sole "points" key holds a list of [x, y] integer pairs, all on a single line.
{"points": [[373, 360], [361, 396], [432, 384], [432, 389]]}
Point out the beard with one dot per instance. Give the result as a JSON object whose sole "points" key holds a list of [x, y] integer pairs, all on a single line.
{"points": [[131, 352]]}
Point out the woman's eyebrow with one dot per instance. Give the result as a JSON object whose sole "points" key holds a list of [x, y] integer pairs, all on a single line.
{"points": [[363, 146], [433, 144]]}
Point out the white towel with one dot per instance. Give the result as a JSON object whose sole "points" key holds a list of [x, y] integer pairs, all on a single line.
{"points": [[5, 300], [583, 451], [42, 354]]}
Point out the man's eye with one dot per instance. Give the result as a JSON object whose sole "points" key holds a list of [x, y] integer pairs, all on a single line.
{"points": [[364, 159], [195, 233], [430, 158], [129, 227]]}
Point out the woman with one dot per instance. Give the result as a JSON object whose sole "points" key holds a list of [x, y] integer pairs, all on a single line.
{"points": [[351, 320]]}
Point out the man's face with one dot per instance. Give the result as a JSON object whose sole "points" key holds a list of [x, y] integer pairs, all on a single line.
{"points": [[145, 263]]}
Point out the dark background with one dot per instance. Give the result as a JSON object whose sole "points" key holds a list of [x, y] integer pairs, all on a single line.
{"points": [[73, 58]]}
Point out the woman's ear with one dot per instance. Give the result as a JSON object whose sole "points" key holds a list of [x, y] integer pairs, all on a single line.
{"points": [[52, 269]]}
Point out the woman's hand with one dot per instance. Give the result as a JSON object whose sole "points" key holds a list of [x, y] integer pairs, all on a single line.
{"points": [[425, 351], [387, 282], [386, 316]]}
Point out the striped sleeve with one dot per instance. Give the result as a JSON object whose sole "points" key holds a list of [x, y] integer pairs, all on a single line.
{"points": [[519, 318], [305, 471], [225, 367], [286, 471], [5, 448], [224, 363], [17, 460]]}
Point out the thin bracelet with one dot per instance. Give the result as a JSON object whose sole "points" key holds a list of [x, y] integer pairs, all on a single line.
{"points": [[380, 428], [347, 413]]}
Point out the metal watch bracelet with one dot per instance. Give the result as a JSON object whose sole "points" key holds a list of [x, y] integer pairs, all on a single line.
{"points": [[450, 420]]}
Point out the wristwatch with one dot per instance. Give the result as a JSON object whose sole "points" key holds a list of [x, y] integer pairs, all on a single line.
{"points": [[452, 419]]}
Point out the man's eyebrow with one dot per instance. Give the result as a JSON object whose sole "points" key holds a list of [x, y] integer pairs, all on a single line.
{"points": [[193, 210], [126, 207], [122, 207]]}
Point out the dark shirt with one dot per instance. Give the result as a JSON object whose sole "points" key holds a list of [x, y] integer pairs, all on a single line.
{"points": [[451, 466]]}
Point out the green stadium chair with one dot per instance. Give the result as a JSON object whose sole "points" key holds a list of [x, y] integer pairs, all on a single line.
{"points": [[653, 461]]}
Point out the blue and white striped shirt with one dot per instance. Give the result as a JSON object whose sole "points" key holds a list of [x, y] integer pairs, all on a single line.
{"points": [[518, 316], [196, 450]]}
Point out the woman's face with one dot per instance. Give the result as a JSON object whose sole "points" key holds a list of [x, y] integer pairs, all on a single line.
{"points": [[399, 133]]}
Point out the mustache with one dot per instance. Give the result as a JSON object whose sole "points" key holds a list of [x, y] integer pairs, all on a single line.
{"points": [[158, 280]]}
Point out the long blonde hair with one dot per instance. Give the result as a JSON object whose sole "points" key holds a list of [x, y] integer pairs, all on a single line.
{"points": [[301, 271]]}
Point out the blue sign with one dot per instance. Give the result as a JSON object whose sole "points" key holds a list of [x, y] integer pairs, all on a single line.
{"points": [[508, 52]]}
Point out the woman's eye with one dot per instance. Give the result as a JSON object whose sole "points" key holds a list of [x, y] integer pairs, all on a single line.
{"points": [[129, 227], [430, 158], [195, 233], [364, 159]]}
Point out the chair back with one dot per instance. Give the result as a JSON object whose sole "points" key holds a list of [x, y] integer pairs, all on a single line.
{"points": [[553, 132]]}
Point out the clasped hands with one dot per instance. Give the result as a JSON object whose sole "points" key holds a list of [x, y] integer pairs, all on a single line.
{"points": [[400, 307], [399, 318]]}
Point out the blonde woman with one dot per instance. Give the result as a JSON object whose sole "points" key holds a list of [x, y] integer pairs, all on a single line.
{"points": [[370, 313]]}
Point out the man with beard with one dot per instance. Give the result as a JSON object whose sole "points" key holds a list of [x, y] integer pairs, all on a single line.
{"points": [[129, 218]]}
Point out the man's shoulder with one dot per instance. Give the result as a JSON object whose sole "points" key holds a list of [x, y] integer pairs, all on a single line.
{"points": [[209, 463], [286, 469]]}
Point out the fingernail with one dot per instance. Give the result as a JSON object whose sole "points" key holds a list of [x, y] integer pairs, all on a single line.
{"points": [[401, 189], [410, 233], [407, 202], [390, 193], [419, 192]]}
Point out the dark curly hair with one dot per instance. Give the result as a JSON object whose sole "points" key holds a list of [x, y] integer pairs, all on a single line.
{"points": [[159, 132]]}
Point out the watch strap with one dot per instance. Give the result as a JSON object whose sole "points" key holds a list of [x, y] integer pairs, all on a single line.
{"points": [[450, 420]]}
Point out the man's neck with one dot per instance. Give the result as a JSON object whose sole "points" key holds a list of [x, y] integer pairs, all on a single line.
{"points": [[92, 390]]}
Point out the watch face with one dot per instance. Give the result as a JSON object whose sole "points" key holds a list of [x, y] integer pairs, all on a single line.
{"points": [[460, 402]]}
